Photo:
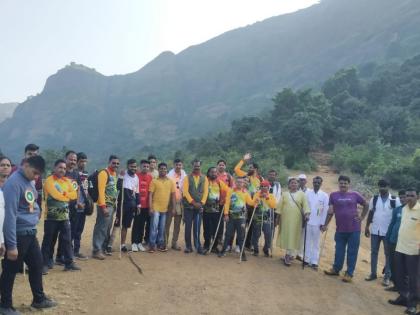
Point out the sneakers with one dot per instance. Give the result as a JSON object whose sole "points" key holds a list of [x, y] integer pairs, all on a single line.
{"points": [[287, 261], [72, 267], [46, 303], [152, 249], [411, 310], [331, 272], [400, 301], [176, 247], [134, 247], [237, 249], [228, 248], [162, 249], [314, 266], [124, 248], [44, 271], [222, 254], [98, 256], [386, 282], [255, 253], [347, 278], [391, 289], [371, 277], [59, 261], [266, 253], [188, 250], [80, 256], [141, 247], [8, 311]]}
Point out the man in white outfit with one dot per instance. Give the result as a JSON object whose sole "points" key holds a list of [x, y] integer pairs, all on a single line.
{"points": [[318, 203]]}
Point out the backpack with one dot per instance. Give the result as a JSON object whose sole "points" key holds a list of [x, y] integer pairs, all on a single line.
{"points": [[93, 185], [375, 200]]}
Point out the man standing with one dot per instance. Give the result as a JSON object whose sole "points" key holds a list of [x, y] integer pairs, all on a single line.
{"points": [[302, 182], [392, 237], [153, 166], [379, 218], [161, 199], [21, 218], [318, 204], [343, 204], [407, 254], [177, 174], [195, 192], [141, 225], [107, 196], [211, 214], [275, 187], [59, 191]]}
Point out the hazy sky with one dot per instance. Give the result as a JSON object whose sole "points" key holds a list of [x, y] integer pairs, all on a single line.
{"points": [[38, 37]]}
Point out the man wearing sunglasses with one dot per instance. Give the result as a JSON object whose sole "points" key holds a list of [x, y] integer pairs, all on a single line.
{"points": [[107, 196]]}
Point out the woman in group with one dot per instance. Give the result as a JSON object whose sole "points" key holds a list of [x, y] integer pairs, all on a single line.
{"points": [[293, 211], [5, 169]]}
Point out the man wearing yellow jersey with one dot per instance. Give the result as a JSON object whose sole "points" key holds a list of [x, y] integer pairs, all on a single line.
{"points": [[235, 214], [107, 196], [195, 192], [59, 191], [254, 180], [263, 218], [211, 214]]}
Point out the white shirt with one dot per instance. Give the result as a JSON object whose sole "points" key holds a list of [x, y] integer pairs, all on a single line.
{"points": [[383, 215], [171, 175], [131, 183], [1, 216], [276, 191], [318, 203]]}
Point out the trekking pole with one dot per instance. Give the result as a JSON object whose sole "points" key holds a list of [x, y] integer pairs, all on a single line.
{"points": [[246, 233], [217, 231], [121, 214], [272, 227], [322, 246], [304, 246]]}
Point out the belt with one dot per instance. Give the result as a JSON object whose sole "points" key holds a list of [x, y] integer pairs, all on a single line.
{"points": [[26, 232]]}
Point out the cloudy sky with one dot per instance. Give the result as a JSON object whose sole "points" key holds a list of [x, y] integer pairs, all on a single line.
{"points": [[38, 37]]}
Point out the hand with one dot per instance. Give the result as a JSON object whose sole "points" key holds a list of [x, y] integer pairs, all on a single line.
{"points": [[367, 232], [105, 211], [226, 218], [12, 254], [80, 205], [257, 201], [247, 157], [323, 228], [138, 210], [2, 250], [307, 215], [358, 218], [196, 205]]}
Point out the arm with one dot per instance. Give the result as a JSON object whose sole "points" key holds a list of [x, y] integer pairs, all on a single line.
{"points": [[328, 219], [238, 170], [206, 191], [227, 203], [370, 218], [365, 210], [102, 179], [1, 219], [72, 193], [272, 201], [51, 190], [151, 191], [391, 225], [186, 188], [12, 196]]}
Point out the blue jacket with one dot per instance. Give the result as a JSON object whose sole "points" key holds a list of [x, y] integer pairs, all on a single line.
{"points": [[394, 226], [21, 209]]}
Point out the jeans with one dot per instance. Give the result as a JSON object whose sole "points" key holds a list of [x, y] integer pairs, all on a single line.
{"points": [[232, 226], [140, 224], [101, 230], [407, 266], [375, 243], [192, 218], [51, 228], [177, 218], [30, 253], [77, 224], [267, 229], [157, 229], [346, 241]]}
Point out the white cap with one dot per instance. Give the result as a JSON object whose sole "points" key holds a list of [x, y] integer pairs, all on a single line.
{"points": [[302, 176]]}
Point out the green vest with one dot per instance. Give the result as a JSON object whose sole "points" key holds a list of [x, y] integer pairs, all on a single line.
{"points": [[196, 193]]}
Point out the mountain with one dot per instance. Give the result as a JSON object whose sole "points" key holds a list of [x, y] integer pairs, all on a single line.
{"points": [[6, 110], [203, 88]]}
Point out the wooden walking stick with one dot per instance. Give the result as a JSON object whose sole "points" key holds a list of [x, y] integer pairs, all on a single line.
{"points": [[246, 233], [304, 246], [322, 246], [217, 231]]}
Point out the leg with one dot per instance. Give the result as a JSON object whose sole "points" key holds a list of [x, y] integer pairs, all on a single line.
{"points": [[108, 224], [154, 229], [65, 233], [207, 229], [387, 250], [188, 217], [177, 226], [352, 251], [267, 230], [135, 231], [250, 228], [314, 234], [100, 231], [161, 229], [340, 250], [375, 242], [168, 223], [147, 226], [391, 262], [50, 229], [230, 230], [33, 259], [240, 231], [256, 233], [412, 265], [196, 230], [77, 231]]}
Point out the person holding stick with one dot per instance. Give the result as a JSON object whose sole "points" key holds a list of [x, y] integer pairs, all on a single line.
{"points": [[235, 213], [293, 213]]}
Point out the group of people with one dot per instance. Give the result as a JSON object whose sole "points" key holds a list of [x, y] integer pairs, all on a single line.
{"points": [[234, 210]]}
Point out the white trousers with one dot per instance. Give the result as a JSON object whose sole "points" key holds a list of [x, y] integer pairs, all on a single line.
{"points": [[313, 234]]}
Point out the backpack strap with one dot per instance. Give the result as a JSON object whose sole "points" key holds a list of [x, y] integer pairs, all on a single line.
{"points": [[393, 202], [372, 212]]}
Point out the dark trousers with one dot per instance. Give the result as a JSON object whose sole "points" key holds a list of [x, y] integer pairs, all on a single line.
{"points": [[210, 222], [267, 228], [407, 266], [29, 253], [192, 219], [232, 226], [141, 224], [392, 264], [77, 224], [51, 228], [248, 241]]}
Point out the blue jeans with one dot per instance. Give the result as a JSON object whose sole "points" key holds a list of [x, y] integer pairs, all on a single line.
{"points": [[346, 241], [375, 243], [157, 228]]}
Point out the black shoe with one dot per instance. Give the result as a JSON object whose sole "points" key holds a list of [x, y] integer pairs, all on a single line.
{"points": [[314, 267], [411, 310], [50, 263], [371, 277], [59, 261], [203, 251], [398, 301], [8, 311], [266, 253], [46, 303], [44, 271], [244, 257], [299, 258], [222, 253], [214, 250], [392, 289], [248, 248], [124, 249], [254, 253], [72, 267], [187, 250]]}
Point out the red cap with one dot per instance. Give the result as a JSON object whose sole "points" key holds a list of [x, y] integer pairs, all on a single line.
{"points": [[265, 183]]}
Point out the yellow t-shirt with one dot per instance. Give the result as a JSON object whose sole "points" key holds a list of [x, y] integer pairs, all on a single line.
{"points": [[162, 188], [409, 234]]}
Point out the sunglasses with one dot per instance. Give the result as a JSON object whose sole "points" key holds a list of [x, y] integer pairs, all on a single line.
{"points": [[115, 163]]}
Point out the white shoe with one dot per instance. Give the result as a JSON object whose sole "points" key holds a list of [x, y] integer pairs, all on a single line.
{"points": [[228, 248], [141, 247], [134, 247], [237, 249]]}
